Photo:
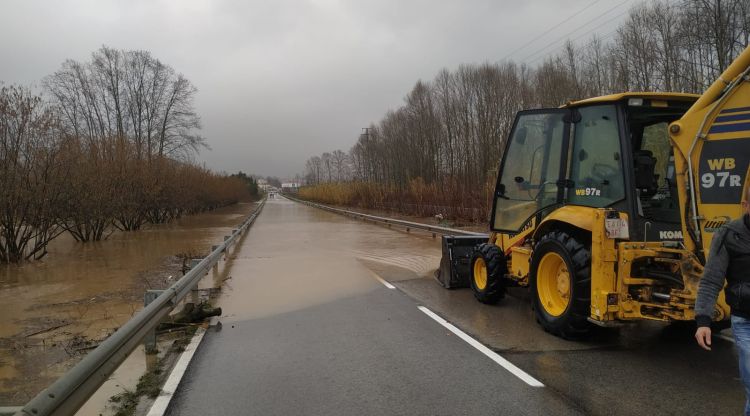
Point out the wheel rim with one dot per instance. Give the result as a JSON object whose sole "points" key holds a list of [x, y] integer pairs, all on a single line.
{"points": [[480, 273], [553, 284]]}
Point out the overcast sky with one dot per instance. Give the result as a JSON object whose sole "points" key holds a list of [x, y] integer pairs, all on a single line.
{"points": [[282, 80]]}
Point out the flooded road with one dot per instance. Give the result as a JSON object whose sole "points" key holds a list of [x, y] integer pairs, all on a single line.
{"points": [[308, 328], [57, 309], [295, 257]]}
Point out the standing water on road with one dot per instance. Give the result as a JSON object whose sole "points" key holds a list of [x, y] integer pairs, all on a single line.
{"points": [[58, 309], [321, 263]]}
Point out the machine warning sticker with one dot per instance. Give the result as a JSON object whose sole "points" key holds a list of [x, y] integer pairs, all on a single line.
{"points": [[713, 225], [722, 171]]}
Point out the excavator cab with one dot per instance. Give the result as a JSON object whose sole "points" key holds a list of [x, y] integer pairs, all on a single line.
{"points": [[610, 152]]}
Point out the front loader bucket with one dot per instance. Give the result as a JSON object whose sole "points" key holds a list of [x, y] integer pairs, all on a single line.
{"points": [[455, 265]]}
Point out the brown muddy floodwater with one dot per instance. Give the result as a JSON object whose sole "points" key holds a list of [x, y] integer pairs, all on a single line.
{"points": [[57, 309]]}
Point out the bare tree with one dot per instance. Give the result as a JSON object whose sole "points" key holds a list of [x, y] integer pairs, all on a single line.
{"points": [[128, 95], [340, 162], [30, 169], [327, 165], [313, 169], [123, 107], [109, 149]]}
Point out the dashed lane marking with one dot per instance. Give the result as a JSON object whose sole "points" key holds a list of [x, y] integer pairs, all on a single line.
{"points": [[381, 280], [525, 377]]}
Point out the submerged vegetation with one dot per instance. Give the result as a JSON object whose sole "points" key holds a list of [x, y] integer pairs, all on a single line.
{"points": [[106, 146]]}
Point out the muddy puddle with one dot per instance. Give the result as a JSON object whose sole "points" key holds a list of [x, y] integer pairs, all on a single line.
{"points": [[57, 309]]}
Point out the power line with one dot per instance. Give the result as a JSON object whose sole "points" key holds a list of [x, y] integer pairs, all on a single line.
{"points": [[581, 36], [566, 36], [550, 29], [608, 35], [576, 30], [557, 49]]}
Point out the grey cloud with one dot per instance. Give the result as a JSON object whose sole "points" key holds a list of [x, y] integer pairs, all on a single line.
{"points": [[278, 81]]}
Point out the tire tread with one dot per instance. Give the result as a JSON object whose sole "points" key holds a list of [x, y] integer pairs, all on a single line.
{"points": [[496, 270], [573, 323]]}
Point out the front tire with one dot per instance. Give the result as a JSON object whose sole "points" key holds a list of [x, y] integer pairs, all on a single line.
{"points": [[488, 268], [560, 284]]}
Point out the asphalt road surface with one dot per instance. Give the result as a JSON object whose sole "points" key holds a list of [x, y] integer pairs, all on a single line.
{"points": [[311, 327]]}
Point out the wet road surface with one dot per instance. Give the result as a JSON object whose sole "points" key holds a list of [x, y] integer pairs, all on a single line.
{"points": [[309, 329]]}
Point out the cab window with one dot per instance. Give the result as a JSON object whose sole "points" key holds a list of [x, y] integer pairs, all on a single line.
{"points": [[655, 183], [595, 161], [529, 180]]}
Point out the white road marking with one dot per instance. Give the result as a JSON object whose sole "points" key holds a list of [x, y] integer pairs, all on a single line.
{"points": [[170, 386], [381, 280], [531, 381]]}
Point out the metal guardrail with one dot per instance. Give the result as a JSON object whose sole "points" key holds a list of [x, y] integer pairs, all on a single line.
{"points": [[66, 395], [434, 229]]}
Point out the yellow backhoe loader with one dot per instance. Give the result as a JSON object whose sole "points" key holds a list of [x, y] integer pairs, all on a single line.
{"points": [[605, 208]]}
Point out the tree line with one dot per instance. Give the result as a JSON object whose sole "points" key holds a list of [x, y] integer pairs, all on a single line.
{"points": [[106, 145], [450, 132]]}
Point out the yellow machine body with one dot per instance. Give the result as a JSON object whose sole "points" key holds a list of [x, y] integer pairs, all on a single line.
{"points": [[632, 277]]}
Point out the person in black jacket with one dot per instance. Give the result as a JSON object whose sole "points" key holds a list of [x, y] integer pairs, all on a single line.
{"points": [[729, 260]]}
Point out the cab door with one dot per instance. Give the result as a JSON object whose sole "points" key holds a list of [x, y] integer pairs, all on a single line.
{"points": [[596, 168], [533, 168]]}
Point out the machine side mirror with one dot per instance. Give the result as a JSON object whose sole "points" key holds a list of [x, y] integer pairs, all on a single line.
{"points": [[582, 155]]}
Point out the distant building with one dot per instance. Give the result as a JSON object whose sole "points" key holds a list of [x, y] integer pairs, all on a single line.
{"points": [[290, 187], [263, 185]]}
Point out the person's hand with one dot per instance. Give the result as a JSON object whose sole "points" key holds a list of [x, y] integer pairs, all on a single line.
{"points": [[703, 336]]}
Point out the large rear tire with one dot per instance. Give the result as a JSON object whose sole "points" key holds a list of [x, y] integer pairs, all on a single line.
{"points": [[488, 268], [560, 283]]}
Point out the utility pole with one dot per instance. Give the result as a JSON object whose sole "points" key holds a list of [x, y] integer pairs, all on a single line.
{"points": [[366, 171]]}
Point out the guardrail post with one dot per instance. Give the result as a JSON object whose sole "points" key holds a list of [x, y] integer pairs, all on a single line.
{"points": [[216, 265], [149, 341], [194, 293]]}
